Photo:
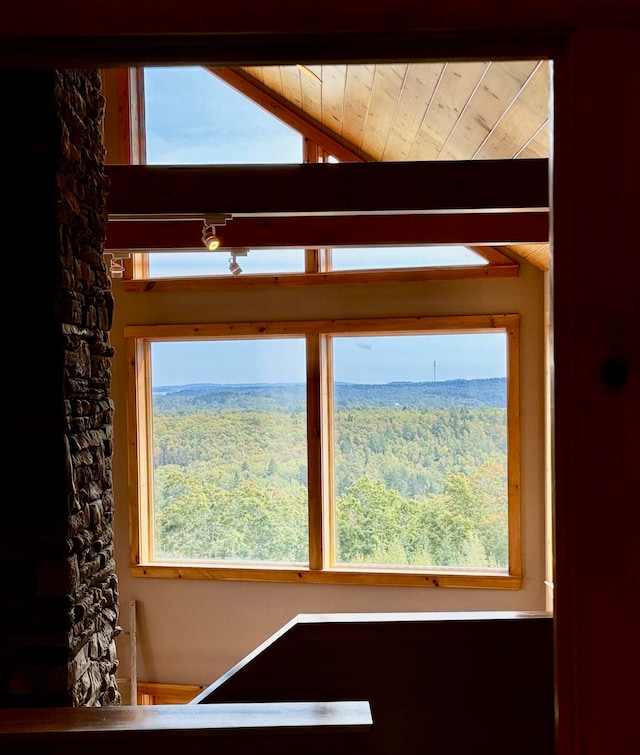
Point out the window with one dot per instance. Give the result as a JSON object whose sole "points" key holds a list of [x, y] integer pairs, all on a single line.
{"points": [[192, 116], [358, 451]]}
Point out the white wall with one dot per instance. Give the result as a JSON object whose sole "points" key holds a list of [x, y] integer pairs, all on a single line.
{"points": [[191, 632]]}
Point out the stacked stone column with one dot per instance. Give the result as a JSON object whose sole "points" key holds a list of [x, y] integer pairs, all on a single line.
{"points": [[58, 588]]}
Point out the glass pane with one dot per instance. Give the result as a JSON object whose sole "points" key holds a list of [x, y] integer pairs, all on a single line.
{"points": [[230, 451], [421, 450], [194, 118], [384, 258], [185, 264]]}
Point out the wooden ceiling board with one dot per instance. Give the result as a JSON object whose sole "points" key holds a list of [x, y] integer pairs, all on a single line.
{"points": [[357, 98], [291, 80], [540, 257], [500, 85], [311, 94], [536, 254], [538, 145], [425, 111], [418, 88], [458, 83], [272, 79], [256, 73], [521, 120], [333, 86], [387, 86]]}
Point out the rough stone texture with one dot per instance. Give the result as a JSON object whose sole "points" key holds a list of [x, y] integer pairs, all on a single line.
{"points": [[58, 588]]}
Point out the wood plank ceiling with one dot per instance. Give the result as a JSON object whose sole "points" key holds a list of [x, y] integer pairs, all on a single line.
{"points": [[413, 111]]}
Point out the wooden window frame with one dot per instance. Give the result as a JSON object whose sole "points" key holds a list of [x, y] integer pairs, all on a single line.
{"points": [[321, 569]]}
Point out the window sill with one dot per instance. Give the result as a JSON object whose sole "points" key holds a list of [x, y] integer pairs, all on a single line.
{"points": [[494, 579], [297, 280]]}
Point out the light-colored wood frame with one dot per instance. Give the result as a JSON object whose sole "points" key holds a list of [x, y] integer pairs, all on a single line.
{"points": [[322, 567], [328, 278], [153, 693]]}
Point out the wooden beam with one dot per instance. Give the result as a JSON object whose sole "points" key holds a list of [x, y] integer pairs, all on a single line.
{"points": [[310, 232], [143, 50], [190, 17], [283, 31], [288, 113], [329, 188]]}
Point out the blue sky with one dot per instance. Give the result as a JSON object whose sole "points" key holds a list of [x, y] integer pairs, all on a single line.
{"points": [[194, 118], [360, 359]]}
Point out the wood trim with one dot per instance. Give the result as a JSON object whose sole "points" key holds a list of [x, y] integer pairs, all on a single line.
{"points": [[152, 693], [331, 576], [140, 464], [328, 468], [131, 113], [265, 329], [320, 467], [297, 280], [152, 191], [316, 431], [492, 255], [472, 229], [512, 328], [288, 113], [137, 492], [125, 91]]}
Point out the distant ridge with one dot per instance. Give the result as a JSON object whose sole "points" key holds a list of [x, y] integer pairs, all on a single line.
{"points": [[289, 397]]}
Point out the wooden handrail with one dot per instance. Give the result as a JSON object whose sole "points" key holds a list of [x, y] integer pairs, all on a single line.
{"points": [[316, 728]]}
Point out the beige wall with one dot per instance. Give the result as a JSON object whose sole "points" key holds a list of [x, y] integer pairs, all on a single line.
{"points": [[191, 632]]}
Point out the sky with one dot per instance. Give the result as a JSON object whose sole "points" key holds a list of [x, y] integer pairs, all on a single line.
{"points": [[194, 118], [359, 359]]}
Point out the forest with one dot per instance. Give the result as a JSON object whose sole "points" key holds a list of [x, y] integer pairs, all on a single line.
{"points": [[420, 473]]}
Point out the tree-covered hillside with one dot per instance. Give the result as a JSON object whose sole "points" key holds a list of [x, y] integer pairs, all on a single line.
{"points": [[420, 473], [292, 397]]}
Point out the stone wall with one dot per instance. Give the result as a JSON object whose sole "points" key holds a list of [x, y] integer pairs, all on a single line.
{"points": [[58, 588]]}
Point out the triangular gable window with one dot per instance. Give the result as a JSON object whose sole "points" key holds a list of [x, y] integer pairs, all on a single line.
{"points": [[193, 117]]}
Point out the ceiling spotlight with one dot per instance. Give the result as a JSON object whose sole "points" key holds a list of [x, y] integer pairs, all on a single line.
{"points": [[116, 264], [116, 268], [234, 267], [209, 238]]}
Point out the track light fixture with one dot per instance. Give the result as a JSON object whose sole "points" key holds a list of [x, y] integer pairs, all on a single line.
{"points": [[234, 267], [116, 264], [209, 237], [237, 251]]}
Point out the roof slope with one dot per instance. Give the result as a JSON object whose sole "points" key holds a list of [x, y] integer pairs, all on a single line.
{"points": [[412, 111]]}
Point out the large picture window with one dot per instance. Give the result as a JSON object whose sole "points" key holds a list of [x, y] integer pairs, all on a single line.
{"points": [[365, 451]]}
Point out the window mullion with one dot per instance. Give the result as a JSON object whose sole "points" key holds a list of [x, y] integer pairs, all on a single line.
{"points": [[320, 548], [329, 509], [141, 429]]}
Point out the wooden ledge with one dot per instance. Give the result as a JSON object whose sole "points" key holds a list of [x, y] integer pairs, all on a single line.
{"points": [[293, 726]]}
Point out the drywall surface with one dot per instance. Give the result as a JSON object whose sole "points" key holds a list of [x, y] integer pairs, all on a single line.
{"points": [[191, 632]]}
